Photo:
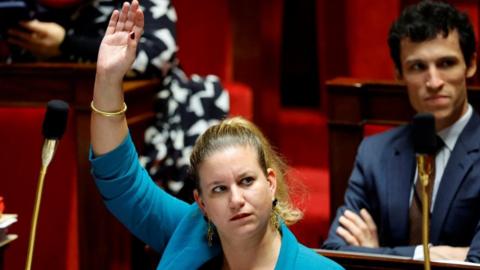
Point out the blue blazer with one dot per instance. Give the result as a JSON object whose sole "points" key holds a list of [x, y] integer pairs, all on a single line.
{"points": [[172, 227], [381, 182]]}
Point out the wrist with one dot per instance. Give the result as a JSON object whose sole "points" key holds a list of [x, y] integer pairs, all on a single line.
{"points": [[108, 93], [104, 79]]}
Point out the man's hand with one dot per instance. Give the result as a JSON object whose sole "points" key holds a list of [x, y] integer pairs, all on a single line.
{"points": [[42, 39], [449, 253], [358, 230]]}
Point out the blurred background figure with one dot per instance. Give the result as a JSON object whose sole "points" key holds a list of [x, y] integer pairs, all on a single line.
{"points": [[71, 30]]}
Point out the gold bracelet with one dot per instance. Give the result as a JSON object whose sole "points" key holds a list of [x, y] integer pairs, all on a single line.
{"points": [[109, 114]]}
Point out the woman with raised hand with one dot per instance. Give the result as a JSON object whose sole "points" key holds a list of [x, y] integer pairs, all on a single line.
{"points": [[242, 209]]}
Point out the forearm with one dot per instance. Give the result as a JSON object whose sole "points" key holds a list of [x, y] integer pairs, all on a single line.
{"points": [[115, 57], [107, 132]]}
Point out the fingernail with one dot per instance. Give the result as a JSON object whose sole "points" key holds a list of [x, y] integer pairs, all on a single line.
{"points": [[132, 35]]}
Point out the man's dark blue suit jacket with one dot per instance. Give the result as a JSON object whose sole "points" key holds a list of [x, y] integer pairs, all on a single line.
{"points": [[382, 180]]}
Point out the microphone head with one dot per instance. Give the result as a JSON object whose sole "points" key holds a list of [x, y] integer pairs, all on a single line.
{"points": [[55, 120], [424, 134]]}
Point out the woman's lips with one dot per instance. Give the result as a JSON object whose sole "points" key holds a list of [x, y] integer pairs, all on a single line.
{"points": [[239, 216]]}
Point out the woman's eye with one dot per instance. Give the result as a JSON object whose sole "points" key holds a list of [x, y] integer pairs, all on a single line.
{"points": [[247, 181]]}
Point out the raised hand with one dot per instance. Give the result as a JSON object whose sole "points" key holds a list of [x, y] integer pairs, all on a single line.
{"points": [[115, 57], [118, 48]]}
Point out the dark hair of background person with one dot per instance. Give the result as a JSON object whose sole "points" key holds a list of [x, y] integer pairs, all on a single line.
{"points": [[425, 21]]}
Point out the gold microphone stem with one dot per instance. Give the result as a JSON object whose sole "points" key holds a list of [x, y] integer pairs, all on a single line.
{"points": [[425, 223], [425, 169], [47, 154]]}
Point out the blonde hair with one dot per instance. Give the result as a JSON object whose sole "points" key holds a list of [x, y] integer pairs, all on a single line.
{"points": [[239, 131]]}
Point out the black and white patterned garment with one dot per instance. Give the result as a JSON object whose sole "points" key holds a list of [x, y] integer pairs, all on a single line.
{"points": [[85, 26], [185, 108]]}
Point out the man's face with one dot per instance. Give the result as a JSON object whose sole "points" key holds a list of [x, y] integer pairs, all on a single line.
{"points": [[435, 73]]}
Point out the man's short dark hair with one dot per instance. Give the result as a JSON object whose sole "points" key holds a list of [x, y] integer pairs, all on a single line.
{"points": [[424, 21]]}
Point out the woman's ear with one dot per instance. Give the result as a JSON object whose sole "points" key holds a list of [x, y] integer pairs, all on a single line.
{"points": [[272, 181], [199, 200]]}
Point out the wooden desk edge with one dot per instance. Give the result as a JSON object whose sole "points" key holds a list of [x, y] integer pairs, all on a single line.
{"points": [[399, 260]]}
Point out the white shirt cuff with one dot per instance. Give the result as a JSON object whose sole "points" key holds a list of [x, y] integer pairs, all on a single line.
{"points": [[418, 253]]}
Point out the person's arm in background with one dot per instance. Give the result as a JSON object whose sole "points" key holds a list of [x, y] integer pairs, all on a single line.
{"points": [[353, 229], [79, 39]]}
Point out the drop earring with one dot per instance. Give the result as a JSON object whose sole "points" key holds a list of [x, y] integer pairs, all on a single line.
{"points": [[274, 217], [210, 232]]}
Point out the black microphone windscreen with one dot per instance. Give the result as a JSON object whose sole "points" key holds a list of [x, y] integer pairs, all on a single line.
{"points": [[424, 134], [55, 120]]}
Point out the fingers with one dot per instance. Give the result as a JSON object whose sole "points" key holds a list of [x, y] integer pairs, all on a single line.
{"points": [[21, 43], [26, 40], [347, 236], [21, 35], [131, 17], [112, 23], [138, 26], [372, 227], [362, 228], [123, 17], [34, 26], [349, 222], [356, 223], [137, 20]]}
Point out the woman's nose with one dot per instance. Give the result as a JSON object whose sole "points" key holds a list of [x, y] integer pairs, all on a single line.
{"points": [[236, 198]]}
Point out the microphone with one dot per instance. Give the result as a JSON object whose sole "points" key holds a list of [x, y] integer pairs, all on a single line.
{"points": [[53, 127], [425, 146]]}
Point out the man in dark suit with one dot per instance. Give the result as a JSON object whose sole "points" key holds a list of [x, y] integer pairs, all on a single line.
{"points": [[433, 47]]}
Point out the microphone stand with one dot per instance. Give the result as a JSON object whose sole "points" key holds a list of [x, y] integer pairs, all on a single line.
{"points": [[424, 163], [48, 151]]}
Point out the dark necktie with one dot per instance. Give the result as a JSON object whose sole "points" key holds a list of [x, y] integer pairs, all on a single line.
{"points": [[415, 214]]}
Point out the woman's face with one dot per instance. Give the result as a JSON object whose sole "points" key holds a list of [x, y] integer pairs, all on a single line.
{"points": [[236, 194]]}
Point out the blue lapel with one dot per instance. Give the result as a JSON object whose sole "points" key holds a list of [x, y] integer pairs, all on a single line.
{"points": [[459, 163], [399, 173]]}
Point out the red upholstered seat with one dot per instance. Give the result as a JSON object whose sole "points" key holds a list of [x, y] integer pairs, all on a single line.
{"points": [[302, 140], [310, 190], [374, 129]]}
